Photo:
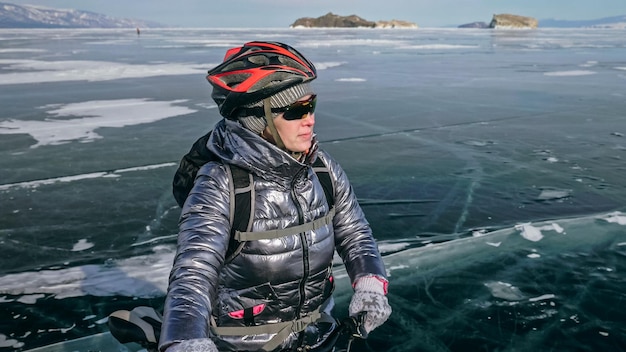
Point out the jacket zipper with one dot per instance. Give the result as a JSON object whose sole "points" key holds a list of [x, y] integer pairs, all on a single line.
{"points": [[305, 245]]}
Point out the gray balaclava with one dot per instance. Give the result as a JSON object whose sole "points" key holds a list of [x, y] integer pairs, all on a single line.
{"points": [[281, 99]]}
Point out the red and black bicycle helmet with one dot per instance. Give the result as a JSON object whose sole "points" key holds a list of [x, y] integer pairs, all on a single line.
{"points": [[256, 71]]}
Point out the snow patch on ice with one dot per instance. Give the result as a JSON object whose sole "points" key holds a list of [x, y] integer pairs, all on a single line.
{"points": [[30, 299], [589, 64], [553, 194], [534, 234], [341, 43], [354, 79], [570, 73], [142, 276], [39, 71], [542, 297], [21, 50], [5, 342], [326, 65], [479, 233], [556, 227], [82, 245], [392, 247], [529, 232], [439, 47], [91, 115], [72, 178], [505, 291], [617, 218]]}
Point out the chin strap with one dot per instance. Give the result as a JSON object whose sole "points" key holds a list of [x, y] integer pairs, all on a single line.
{"points": [[270, 123]]}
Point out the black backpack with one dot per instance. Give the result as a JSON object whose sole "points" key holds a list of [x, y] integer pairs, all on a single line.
{"points": [[199, 155]]}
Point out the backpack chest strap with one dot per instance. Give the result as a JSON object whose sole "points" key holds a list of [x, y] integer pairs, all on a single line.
{"points": [[271, 234], [282, 330]]}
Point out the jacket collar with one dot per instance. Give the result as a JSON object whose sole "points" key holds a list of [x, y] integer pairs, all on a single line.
{"points": [[236, 145]]}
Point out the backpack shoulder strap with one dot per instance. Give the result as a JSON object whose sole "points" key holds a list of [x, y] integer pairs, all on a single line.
{"points": [[323, 174], [241, 207]]}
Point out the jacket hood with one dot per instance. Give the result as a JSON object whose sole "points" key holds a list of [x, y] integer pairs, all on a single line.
{"points": [[236, 145]]}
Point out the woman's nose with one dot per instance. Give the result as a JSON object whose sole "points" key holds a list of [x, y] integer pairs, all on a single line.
{"points": [[309, 119]]}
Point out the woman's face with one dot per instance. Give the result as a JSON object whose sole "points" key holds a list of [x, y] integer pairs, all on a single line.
{"points": [[296, 134]]}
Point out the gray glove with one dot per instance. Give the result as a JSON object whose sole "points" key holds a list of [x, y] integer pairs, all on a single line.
{"points": [[194, 345], [369, 297]]}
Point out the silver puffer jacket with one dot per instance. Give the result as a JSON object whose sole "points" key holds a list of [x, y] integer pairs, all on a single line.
{"points": [[284, 279]]}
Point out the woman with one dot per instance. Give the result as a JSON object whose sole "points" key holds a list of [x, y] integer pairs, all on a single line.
{"points": [[275, 292]]}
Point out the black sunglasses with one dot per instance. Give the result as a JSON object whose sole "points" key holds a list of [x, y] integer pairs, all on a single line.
{"points": [[300, 109]]}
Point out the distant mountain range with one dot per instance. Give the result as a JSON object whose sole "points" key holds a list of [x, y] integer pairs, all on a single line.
{"points": [[616, 22], [18, 16]]}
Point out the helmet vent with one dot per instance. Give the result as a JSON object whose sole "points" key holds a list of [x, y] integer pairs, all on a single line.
{"points": [[233, 66], [234, 80], [259, 60], [292, 63]]}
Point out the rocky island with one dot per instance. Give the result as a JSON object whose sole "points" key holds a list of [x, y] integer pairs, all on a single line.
{"points": [[330, 20], [508, 21]]}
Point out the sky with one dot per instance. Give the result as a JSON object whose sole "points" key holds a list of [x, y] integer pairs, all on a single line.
{"points": [[282, 13]]}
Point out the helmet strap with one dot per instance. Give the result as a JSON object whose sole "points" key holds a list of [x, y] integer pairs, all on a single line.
{"points": [[270, 123]]}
